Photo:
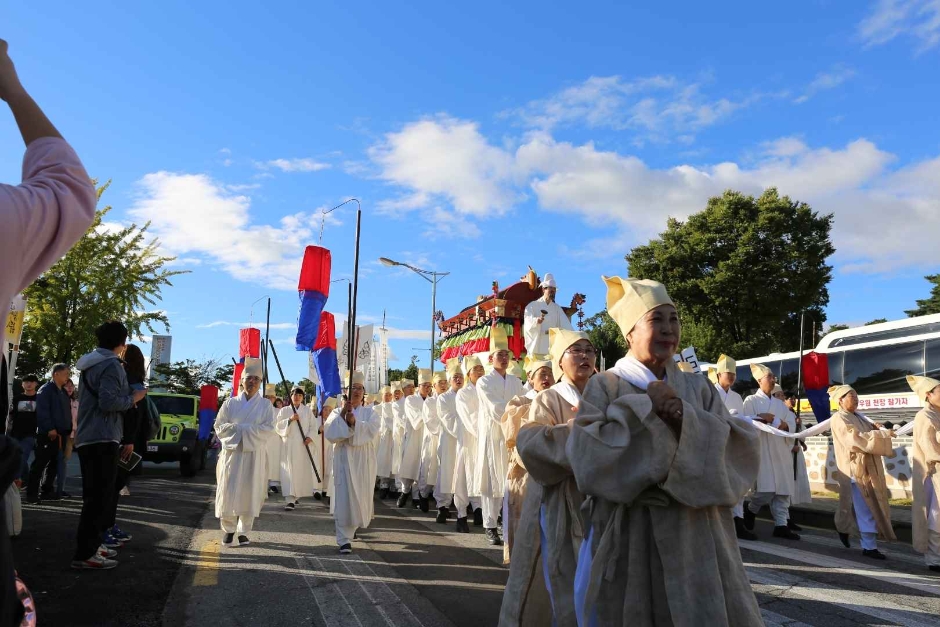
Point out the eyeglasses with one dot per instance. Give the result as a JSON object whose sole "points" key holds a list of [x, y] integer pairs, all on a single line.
{"points": [[581, 352]]}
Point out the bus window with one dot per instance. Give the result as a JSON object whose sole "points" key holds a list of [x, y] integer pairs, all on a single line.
{"points": [[744, 383], [836, 361], [789, 371], [890, 334], [933, 358], [882, 369]]}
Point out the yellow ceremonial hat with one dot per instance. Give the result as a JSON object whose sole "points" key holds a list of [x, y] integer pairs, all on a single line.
{"points": [[270, 390], [921, 385], [499, 341], [424, 376], [387, 389], [357, 377], [777, 388], [628, 300], [559, 340], [472, 361], [686, 367], [533, 363], [759, 371], [453, 366], [713, 374], [515, 368], [407, 383], [253, 368], [330, 402], [836, 392], [396, 386], [726, 364], [439, 376]]}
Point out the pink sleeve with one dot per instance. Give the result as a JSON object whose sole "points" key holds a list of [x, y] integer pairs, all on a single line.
{"points": [[47, 213]]}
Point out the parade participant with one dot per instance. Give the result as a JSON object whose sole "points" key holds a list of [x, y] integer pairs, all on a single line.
{"points": [[427, 474], [863, 496], [447, 447], [539, 377], [540, 590], [494, 391], [398, 434], [541, 315], [273, 452], [725, 373], [244, 426], [386, 446], [297, 479], [352, 429], [660, 461], [775, 481], [468, 406], [413, 421], [925, 513], [323, 453]]}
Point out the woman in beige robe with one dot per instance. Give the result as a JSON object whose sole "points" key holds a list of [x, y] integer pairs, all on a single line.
{"points": [[661, 461], [539, 374], [540, 590], [859, 446], [925, 513]]}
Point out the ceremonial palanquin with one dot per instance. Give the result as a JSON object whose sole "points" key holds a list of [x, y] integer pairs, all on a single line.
{"points": [[469, 331]]}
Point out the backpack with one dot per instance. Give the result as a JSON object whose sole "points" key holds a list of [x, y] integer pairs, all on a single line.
{"points": [[154, 424]]}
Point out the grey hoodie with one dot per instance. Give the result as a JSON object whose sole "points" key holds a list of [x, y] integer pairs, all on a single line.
{"points": [[103, 393]]}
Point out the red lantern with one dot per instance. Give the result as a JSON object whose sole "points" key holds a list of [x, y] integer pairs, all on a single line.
{"points": [[315, 271]]}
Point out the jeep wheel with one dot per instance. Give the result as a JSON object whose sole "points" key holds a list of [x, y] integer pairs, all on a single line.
{"points": [[189, 464]]}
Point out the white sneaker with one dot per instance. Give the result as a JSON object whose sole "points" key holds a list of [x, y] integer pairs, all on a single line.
{"points": [[124, 491], [106, 553], [95, 562]]}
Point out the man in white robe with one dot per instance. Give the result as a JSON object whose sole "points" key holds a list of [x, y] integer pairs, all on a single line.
{"points": [[725, 373], [323, 450], [775, 480], [468, 406], [541, 315], [427, 475], [447, 447], [353, 429], [494, 391], [297, 478], [244, 426], [413, 421], [386, 441], [273, 452], [398, 435]]}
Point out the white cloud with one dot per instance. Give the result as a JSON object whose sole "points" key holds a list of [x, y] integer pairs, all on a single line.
{"points": [[245, 187], [195, 216], [825, 81], [295, 165], [243, 325], [916, 19], [446, 225]]}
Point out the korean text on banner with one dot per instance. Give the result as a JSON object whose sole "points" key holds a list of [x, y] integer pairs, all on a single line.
{"points": [[14, 321]]}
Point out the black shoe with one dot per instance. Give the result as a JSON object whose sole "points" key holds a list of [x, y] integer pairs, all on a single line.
{"points": [[463, 527], [442, 515], [33, 500], [423, 504], [874, 554], [243, 541], [792, 526], [290, 507], [228, 539], [469, 510], [383, 493], [317, 496], [741, 532], [934, 568], [66, 495], [346, 549], [274, 489], [784, 532], [844, 537], [492, 537], [403, 499], [749, 518], [478, 517]]}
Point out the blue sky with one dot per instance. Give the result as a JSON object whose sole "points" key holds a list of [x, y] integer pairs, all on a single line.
{"points": [[482, 140]]}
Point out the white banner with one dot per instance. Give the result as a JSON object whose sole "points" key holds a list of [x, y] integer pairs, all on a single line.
{"points": [[160, 351], [688, 356]]}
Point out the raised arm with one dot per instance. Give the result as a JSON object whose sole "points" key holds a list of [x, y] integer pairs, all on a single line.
{"points": [[542, 441], [875, 442]]}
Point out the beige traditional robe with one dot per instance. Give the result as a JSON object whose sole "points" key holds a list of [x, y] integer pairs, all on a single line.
{"points": [[541, 444], [662, 547], [517, 412], [859, 447], [926, 458]]}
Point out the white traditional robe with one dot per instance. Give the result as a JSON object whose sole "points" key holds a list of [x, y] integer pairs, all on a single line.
{"points": [[273, 454], [732, 400], [353, 466], [297, 478], [244, 427], [493, 392], [468, 406], [536, 335], [386, 440], [413, 438], [776, 459], [398, 434], [320, 448], [447, 445], [432, 435]]}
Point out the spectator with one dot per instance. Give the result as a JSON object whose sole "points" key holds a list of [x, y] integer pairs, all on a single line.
{"points": [[22, 424], [53, 423], [62, 473], [103, 394], [133, 419], [42, 217]]}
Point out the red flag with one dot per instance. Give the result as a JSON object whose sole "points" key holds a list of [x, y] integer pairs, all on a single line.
{"points": [[249, 343], [209, 397], [315, 271], [815, 371]]}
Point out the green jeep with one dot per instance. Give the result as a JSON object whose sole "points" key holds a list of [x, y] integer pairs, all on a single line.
{"points": [[178, 439]]}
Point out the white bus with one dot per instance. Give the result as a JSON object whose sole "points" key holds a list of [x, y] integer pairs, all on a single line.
{"points": [[874, 360]]}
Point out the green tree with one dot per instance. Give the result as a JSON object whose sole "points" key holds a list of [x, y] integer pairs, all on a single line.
{"points": [[742, 271], [876, 321], [411, 372], [837, 327], [188, 376], [282, 389], [112, 273], [931, 304], [606, 336]]}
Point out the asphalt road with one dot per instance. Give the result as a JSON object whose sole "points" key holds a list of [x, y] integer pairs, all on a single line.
{"points": [[406, 570]]}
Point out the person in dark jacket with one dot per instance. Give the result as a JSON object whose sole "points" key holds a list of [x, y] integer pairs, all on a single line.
{"points": [[21, 425], [103, 397], [53, 427]]}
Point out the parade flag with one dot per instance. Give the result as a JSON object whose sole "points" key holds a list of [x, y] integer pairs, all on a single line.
{"points": [[313, 289], [249, 343], [324, 360], [208, 407], [816, 383]]}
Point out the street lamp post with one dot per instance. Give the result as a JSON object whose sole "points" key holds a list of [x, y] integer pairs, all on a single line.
{"points": [[432, 277]]}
